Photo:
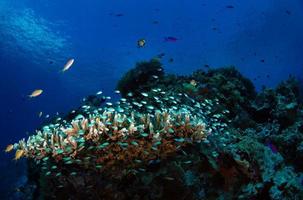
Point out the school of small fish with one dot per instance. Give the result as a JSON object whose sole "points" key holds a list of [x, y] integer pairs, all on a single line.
{"points": [[122, 125]]}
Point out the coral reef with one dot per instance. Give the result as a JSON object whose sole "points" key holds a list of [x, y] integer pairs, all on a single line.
{"points": [[208, 135], [280, 104]]}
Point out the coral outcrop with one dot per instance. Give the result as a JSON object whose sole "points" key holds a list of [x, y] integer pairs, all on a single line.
{"points": [[208, 135], [140, 76]]}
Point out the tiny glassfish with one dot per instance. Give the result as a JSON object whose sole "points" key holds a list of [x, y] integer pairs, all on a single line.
{"points": [[144, 94], [168, 178]]}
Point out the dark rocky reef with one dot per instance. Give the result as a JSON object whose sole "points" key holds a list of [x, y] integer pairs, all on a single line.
{"points": [[139, 77], [279, 104]]}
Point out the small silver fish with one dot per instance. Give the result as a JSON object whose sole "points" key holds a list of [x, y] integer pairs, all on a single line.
{"points": [[40, 114], [68, 65], [168, 178], [144, 94], [123, 99], [150, 107], [109, 104]]}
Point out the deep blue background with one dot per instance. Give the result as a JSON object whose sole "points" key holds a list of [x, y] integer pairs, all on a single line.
{"points": [[101, 36]]}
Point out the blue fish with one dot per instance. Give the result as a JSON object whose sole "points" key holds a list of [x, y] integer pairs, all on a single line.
{"points": [[272, 147]]}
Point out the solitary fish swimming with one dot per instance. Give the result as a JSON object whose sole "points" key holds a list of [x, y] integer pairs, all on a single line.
{"points": [[36, 93], [9, 148], [19, 154], [68, 64], [170, 39], [141, 43], [193, 83]]}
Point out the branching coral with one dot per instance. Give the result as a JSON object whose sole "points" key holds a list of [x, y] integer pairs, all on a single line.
{"points": [[122, 138]]}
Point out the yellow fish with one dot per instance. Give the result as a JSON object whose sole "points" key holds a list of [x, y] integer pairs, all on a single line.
{"points": [[68, 64], [141, 43], [19, 154], [9, 148], [36, 93]]}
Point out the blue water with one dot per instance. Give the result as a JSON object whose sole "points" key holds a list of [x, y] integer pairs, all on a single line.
{"points": [[259, 37]]}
